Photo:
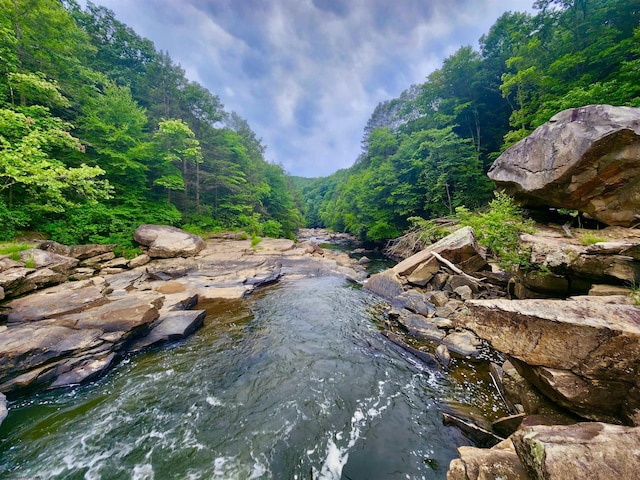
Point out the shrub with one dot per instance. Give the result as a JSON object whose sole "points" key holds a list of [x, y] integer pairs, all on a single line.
{"points": [[499, 229]]}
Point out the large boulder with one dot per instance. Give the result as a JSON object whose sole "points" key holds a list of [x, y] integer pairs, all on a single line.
{"points": [[584, 355], [166, 242], [585, 158], [542, 450], [584, 451]]}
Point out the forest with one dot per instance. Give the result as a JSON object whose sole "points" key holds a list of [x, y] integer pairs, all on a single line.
{"points": [[100, 132], [427, 152]]}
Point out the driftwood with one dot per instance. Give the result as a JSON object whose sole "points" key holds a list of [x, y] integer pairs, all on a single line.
{"points": [[456, 270]]}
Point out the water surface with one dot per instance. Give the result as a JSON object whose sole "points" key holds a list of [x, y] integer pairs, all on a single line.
{"points": [[295, 383]]}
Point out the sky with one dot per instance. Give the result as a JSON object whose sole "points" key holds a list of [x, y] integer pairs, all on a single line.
{"points": [[307, 74]]}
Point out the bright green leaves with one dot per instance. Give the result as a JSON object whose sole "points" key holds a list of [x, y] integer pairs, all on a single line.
{"points": [[29, 151]]}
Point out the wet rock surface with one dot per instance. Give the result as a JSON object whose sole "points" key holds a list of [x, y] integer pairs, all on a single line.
{"points": [[74, 332]]}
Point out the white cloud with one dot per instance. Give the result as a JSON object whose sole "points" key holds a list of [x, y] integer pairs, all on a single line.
{"points": [[308, 74]]}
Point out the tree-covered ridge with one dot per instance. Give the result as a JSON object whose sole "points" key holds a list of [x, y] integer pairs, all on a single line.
{"points": [[100, 132], [427, 152]]}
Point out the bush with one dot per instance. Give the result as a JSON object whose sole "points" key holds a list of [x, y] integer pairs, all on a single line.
{"points": [[499, 229], [12, 220]]}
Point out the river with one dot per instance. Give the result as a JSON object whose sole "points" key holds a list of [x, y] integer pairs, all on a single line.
{"points": [[295, 383]]}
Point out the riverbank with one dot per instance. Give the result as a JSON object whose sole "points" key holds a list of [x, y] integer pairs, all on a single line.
{"points": [[74, 332]]}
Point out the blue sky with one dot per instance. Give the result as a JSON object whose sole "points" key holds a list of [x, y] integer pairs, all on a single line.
{"points": [[307, 74]]}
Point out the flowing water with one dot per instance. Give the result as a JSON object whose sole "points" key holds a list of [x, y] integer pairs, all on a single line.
{"points": [[295, 383]]}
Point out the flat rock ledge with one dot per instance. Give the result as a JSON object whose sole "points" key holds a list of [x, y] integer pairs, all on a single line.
{"points": [[537, 451], [74, 332]]}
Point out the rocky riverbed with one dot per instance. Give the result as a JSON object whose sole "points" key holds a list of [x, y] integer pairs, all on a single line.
{"points": [[104, 307]]}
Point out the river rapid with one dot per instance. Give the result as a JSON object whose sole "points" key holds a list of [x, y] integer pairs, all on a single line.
{"points": [[294, 383]]}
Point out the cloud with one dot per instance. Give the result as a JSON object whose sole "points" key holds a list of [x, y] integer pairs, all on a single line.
{"points": [[307, 74]]}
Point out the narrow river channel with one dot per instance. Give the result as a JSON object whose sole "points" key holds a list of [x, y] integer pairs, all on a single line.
{"points": [[295, 383]]}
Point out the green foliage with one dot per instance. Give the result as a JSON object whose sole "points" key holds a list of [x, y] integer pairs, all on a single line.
{"points": [[588, 238], [255, 240], [148, 146], [498, 229], [13, 249]]}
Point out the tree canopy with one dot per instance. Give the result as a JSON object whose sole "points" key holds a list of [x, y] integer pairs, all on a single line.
{"points": [[100, 132], [427, 152]]}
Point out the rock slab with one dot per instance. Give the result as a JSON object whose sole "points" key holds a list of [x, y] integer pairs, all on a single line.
{"points": [[584, 355]]}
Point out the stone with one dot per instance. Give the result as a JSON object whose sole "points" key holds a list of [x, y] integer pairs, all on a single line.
{"points": [[53, 261], [167, 242], [473, 264], [415, 302], [386, 284], [578, 349], [464, 343], [55, 247], [6, 263], [139, 261], [172, 326], [585, 451], [364, 260], [424, 272], [585, 158], [443, 355], [29, 346], [519, 391], [82, 273], [128, 314], [118, 262], [46, 276], [83, 252], [1, 293], [11, 279], [455, 281], [457, 247], [439, 298], [85, 371], [98, 259], [546, 283], [421, 327], [499, 462], [59, 300], [464, 292]]}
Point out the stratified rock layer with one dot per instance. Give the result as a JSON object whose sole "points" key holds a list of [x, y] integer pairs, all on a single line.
{"points": [[585, 355]]}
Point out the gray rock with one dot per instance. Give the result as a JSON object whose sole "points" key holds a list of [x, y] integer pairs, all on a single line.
{"points": [[53, 261], [421, 327], [587, 352], [443, 355], [464, 292], [168, 242], [172, 326], [585, 451], [415, 302], [585, 158], [139, 261], [464, 343], [499, 462], [56, 301], [386, 284]]}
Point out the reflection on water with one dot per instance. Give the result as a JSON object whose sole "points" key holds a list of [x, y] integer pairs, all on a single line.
{"points": [[296, 383]]}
